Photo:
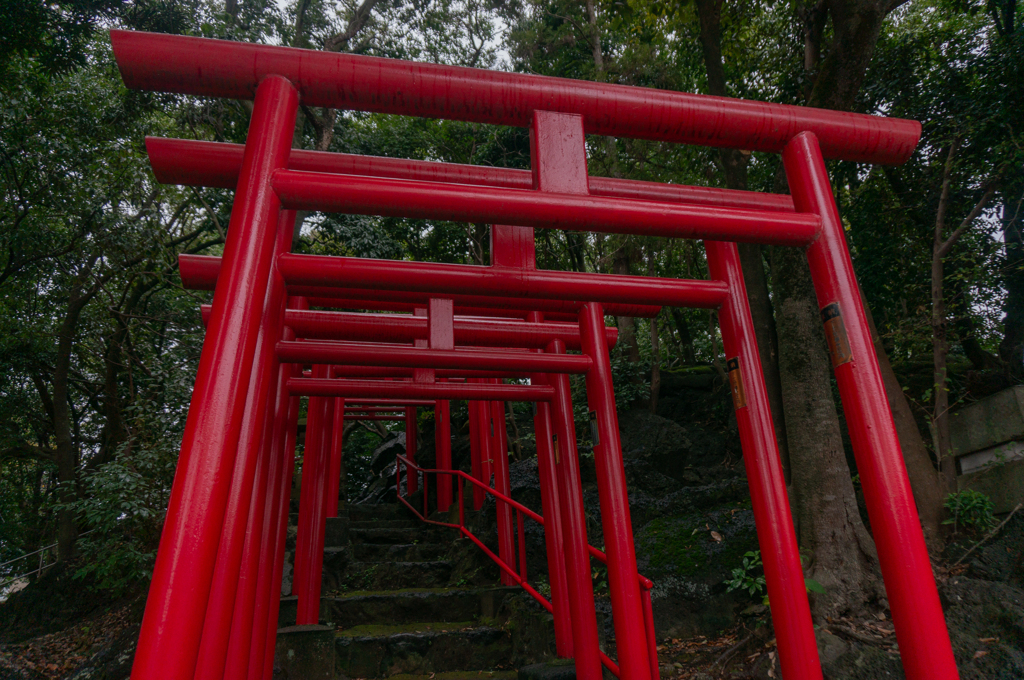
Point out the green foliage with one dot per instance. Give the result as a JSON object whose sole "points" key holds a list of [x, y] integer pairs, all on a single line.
{"points": [[123, 508], [970, 510], [749, 576]]}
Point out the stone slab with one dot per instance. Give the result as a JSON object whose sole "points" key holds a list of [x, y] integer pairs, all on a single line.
{"points": [[993, 420], [1003, 484], [563, 669], [304, 653]]}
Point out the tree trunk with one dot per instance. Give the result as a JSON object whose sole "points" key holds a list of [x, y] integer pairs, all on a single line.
{"points": [[825, 504], [826, 510], [626, 324], [924, 478], [1011, 349], [685, 338], [655, 366], [734, 164], [65, 446]]}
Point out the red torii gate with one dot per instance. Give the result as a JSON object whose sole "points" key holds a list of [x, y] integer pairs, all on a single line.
{"points": [[232, 410]]}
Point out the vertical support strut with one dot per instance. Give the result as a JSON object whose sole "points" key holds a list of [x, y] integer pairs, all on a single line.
{"points": [[441, 322], [244, 512], [267, 594], [623, 583], [574, 524], [502, 484], [909, 583], [553, 539], [791, 614], [308, 558], [475, 449], [331, 499], [411, 430], [172, 625], [443, 446]]}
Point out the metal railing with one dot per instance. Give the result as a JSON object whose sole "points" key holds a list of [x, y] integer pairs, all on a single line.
{"points": [[519, 577], [42, 564]]}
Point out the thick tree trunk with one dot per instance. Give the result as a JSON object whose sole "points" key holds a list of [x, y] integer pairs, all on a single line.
{"points": [[1011, 349], [65, 446], [734, 164], [685, 337], [826, 513], [924, 478], [826, 509], [626, 324]]}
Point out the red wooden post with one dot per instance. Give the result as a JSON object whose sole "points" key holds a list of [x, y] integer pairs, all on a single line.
{"points": [[623, 586], [574, 525], [441, 335], [308, 559], [246, 501], [411, 430], [331, 499], [272, 545], [443, 446], [909, 582], [499, 454], [172, 625], [791, 614], [475, 449], [553, 541]]}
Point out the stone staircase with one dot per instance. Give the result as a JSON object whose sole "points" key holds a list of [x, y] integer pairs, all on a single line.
{"points": [[394, 613]]}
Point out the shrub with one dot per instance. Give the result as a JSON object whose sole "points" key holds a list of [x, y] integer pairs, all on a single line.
{"points": [[971, 510]]}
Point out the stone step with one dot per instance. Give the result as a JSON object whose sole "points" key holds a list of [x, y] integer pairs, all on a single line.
{"points": [[379, 651], [386, 524], [414, 605], [336, 532], [391, 575], [391, 536], [403, 552], [371, 512], [460, 675], [411, 605]]}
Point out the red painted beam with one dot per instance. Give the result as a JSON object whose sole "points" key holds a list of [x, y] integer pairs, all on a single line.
{"points": [[216, 164], [398, 390], [389, 402], [440, 280], [376, 418], [321, 325], [354, 194], [414, 357], [220, 68], [199, 272]]}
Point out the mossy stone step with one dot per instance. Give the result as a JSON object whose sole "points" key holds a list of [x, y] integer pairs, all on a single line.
{"points": [[392, 575], [386, 524], [377, 651], [413, 605], [371, 512], [403, 552], [460, 675], [387, 535]]}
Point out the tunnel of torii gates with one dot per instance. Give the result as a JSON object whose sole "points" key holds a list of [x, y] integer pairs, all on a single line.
{"points": [[213, 604]]}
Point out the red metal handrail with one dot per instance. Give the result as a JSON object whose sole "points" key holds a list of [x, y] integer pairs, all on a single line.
{"points": [[520, 578]]}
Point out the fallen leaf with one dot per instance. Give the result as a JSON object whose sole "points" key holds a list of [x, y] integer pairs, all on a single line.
{"points": [[716, 536], [988, 640], [980, 653]]}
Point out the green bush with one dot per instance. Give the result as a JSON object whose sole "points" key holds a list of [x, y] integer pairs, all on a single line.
{"points": [[970, 510]]}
